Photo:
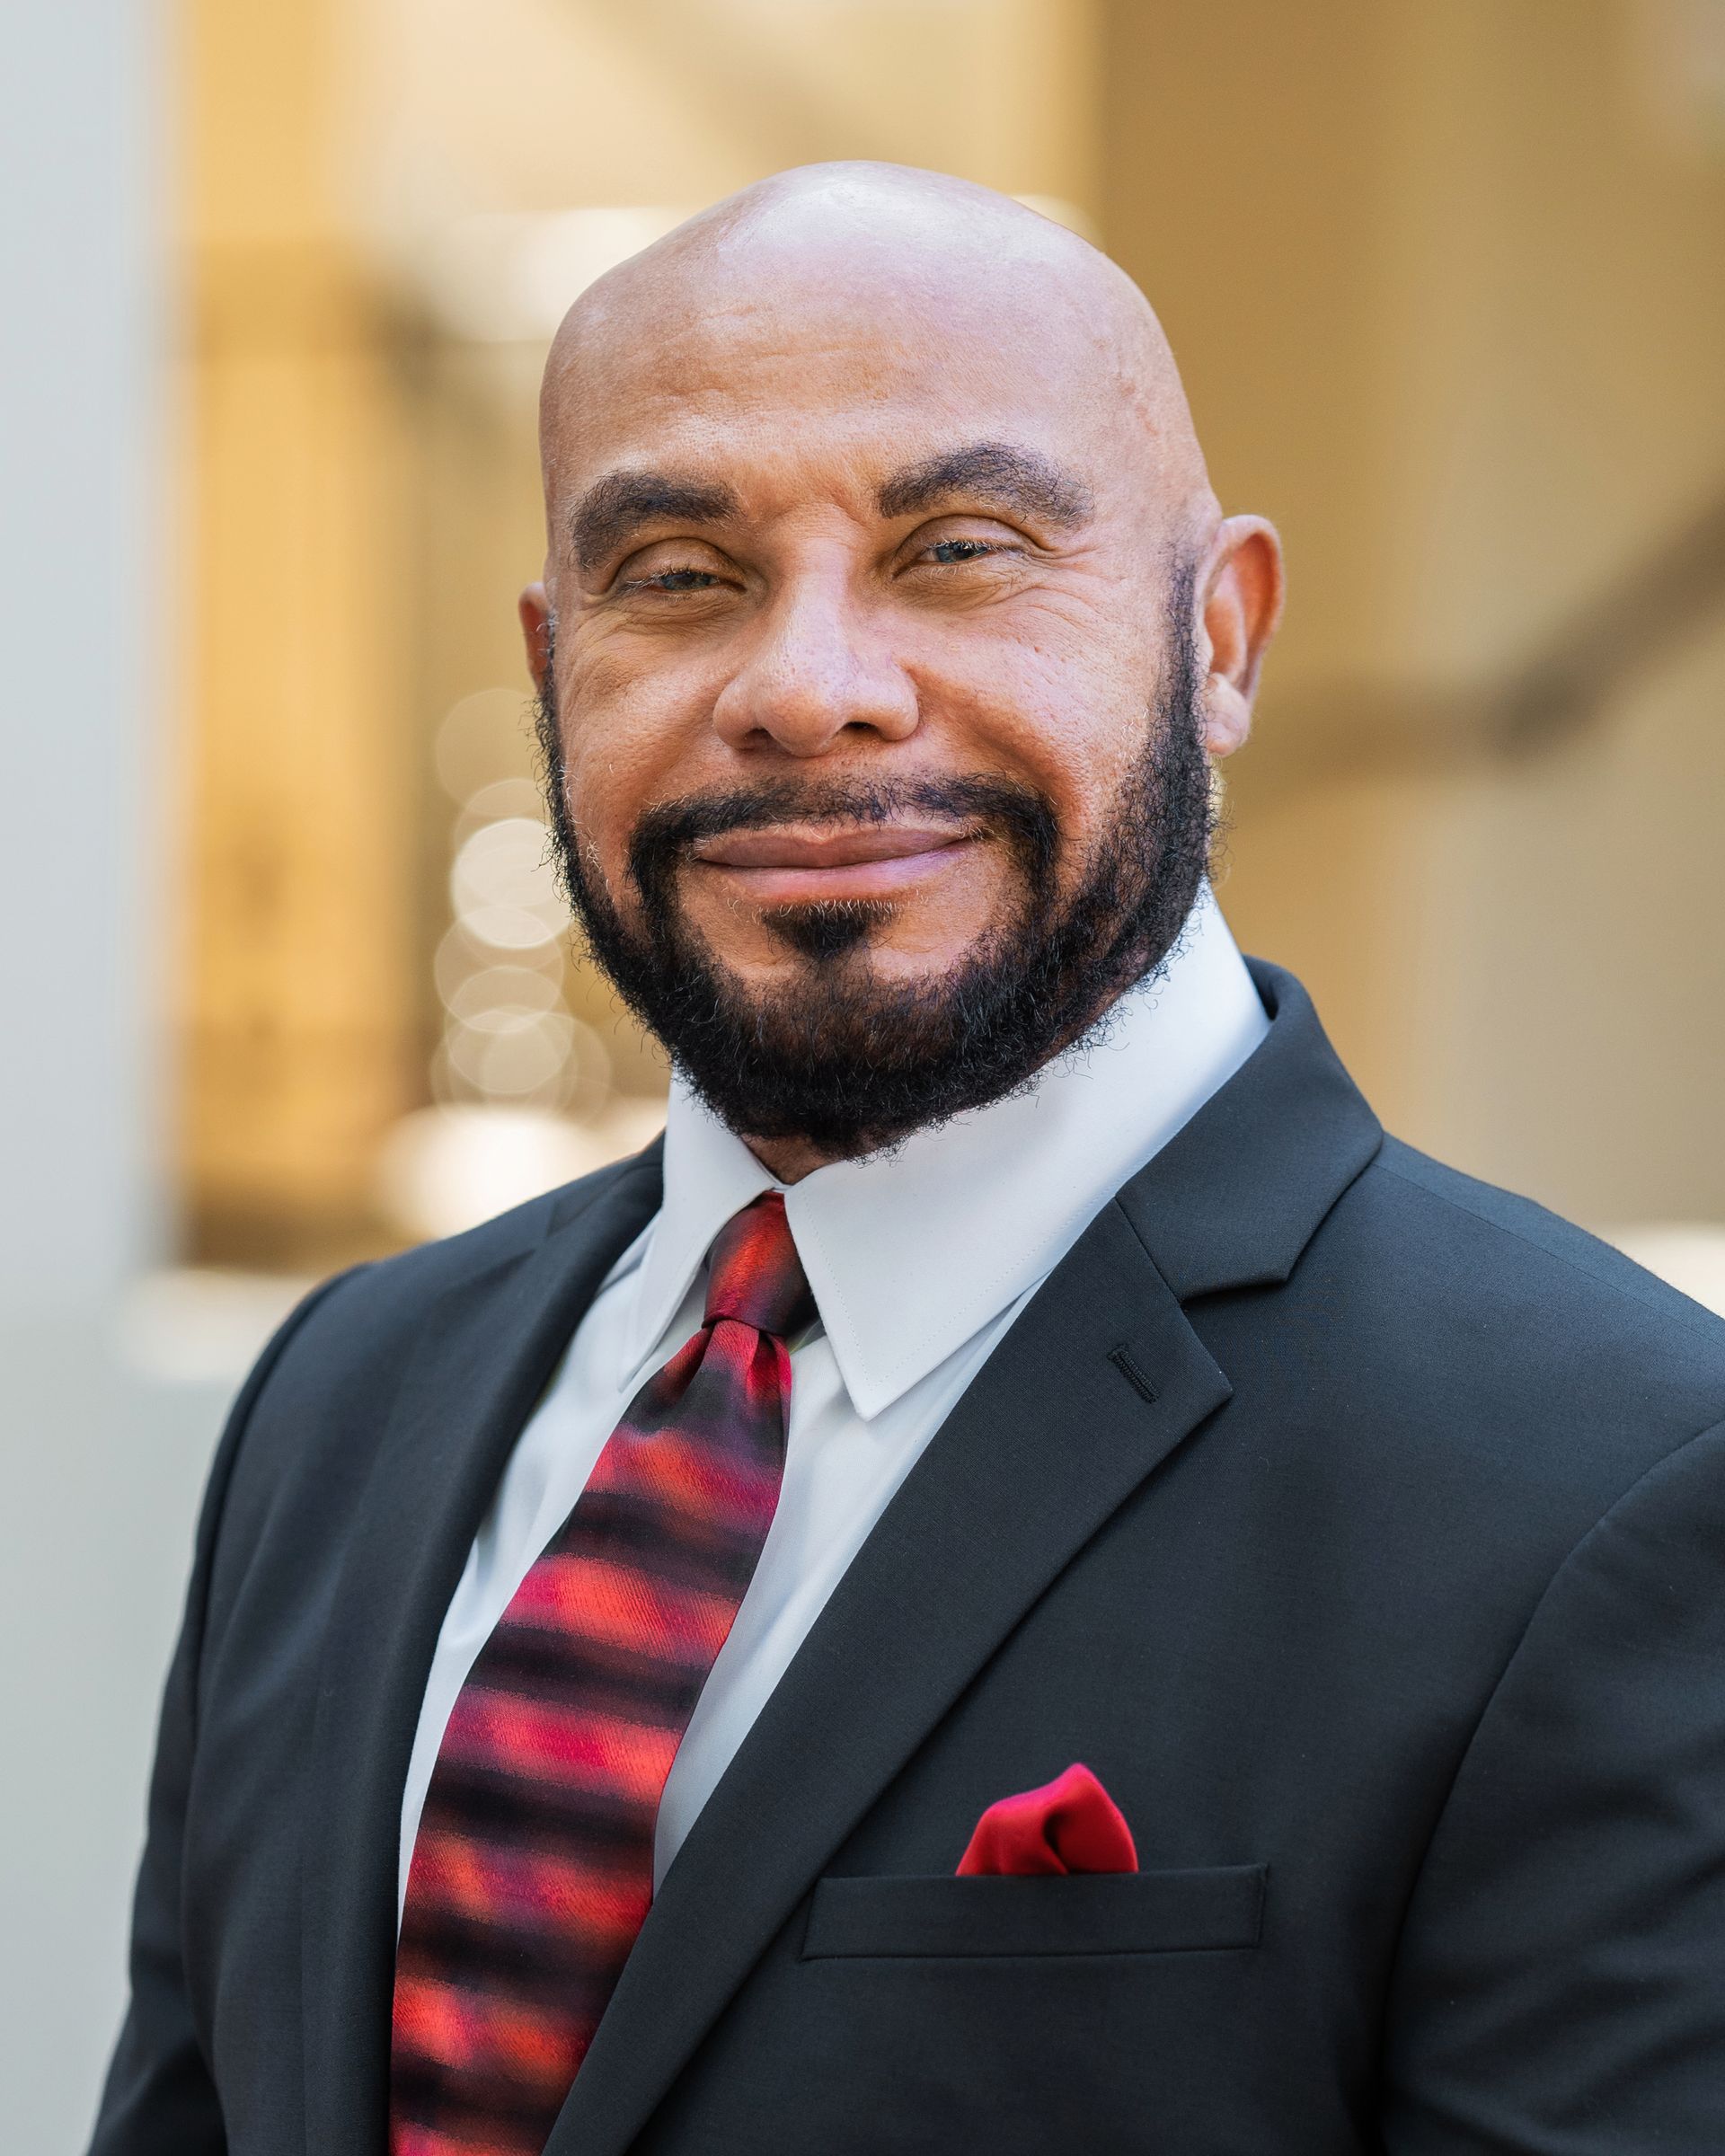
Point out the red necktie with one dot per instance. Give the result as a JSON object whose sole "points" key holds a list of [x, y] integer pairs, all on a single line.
{"points": [[533, 1869]]}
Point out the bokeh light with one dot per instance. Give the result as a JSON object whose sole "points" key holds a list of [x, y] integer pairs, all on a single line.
{"points": [[523, 1086]]}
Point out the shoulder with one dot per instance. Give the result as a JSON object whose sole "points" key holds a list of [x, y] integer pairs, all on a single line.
{"points": [[338, 1359], [307, 1428], [1494, 1243], [1496, 1327], [1451, 1390], [374, 1304]]}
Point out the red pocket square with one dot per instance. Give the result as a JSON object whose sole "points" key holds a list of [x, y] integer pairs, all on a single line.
{"points": [[1070, 1823]]}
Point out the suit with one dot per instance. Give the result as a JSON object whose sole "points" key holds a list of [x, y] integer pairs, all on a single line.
{"points": [[1362, 1528]]}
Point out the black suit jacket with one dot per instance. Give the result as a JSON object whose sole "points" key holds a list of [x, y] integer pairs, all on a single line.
{"points": [[1361, 1526]]}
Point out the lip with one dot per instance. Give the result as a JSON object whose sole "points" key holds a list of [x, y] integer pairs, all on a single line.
{"points": [[790, 865]]}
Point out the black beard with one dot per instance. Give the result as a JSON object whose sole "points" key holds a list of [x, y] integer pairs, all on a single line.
{"points": [[854, 1065]]}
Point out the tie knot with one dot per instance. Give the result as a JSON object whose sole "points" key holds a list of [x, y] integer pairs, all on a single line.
{"points": [[754, 1274]]}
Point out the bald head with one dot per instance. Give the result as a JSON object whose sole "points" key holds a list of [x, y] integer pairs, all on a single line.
{"points": [[929, 272]]}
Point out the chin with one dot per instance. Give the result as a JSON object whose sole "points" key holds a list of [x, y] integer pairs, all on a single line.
{"points": [[881, 965]]}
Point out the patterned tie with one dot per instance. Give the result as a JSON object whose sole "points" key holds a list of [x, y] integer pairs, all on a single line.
{"points": [[533, 1869]]}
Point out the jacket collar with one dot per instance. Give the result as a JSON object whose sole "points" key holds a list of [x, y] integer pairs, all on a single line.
{"points": [[1235, 1197]]}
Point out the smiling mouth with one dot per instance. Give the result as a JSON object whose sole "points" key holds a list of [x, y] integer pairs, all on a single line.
{"points": [[805, 864]]}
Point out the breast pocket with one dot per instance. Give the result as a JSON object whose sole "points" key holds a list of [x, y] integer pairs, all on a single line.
{"points": [[1212, 1911]]}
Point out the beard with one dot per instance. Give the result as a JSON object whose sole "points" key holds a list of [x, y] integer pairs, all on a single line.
{"points": [[850, 1061]]}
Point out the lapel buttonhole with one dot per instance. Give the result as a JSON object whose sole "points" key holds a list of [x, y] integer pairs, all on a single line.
{"points": [[1123, 1361]]}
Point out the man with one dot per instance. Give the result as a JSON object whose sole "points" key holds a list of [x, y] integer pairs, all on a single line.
{"points": [[1028, 1418]]}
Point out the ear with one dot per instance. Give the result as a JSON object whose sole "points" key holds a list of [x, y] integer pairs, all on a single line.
{"points": [[1239, 601], [535, 610]]}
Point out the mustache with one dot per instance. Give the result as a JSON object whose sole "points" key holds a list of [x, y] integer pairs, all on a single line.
{"points": [[1020, 815]]}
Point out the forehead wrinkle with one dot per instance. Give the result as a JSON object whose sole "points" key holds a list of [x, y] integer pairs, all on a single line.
{"points": [[615, 505], [992, 471]]}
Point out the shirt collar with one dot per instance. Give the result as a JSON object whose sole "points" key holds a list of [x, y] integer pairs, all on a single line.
{"points": [[910, 1253]]}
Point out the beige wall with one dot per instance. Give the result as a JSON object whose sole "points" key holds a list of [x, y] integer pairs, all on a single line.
{"points": [[362, 481], [295, 977], [542, 104], [1446, 286]]}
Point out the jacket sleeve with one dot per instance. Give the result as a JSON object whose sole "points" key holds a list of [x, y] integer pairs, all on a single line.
{"points": [[160, 2100], [1560, 1987]]}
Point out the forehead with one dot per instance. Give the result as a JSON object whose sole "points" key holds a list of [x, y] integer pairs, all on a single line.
{"points": [[847, 378]]}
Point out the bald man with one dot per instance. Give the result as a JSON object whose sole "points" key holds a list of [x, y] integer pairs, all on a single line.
{"points": [[1026, 1580]]}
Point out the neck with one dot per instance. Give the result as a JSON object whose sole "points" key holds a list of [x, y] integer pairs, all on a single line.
{"points": [[788, 1160]]}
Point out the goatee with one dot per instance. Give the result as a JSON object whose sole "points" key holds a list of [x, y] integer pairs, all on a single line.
{"points": [[853, 1063]]}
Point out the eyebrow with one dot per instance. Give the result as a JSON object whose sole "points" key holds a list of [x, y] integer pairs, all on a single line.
{"points": [[623, 501], [996, 472]]}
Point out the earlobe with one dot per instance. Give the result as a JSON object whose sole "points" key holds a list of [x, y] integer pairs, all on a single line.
{"points": [[1227, 717], [535, 610]]}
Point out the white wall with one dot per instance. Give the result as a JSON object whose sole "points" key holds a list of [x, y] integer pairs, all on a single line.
{"points": [[80, 448], [100, 1473]]}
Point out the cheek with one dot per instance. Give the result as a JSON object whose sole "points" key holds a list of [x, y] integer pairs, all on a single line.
{"points": [[610, 781], [1061, 725], [626, 737]]}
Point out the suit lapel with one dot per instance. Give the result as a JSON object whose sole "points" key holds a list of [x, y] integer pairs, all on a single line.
{"points": [[1100, 1379], [489, 1345]]}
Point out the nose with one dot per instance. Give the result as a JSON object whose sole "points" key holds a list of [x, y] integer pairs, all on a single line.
{"points": [[817, 674]]}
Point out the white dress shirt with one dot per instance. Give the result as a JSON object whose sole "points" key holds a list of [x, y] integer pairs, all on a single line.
{"points": [[919, 1260]]}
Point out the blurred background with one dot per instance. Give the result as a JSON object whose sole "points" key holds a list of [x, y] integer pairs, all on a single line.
{"points": [[284, 978]]}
